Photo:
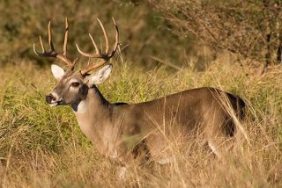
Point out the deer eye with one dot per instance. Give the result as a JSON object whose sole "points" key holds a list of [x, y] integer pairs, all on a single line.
{"points": [[75, 84]]}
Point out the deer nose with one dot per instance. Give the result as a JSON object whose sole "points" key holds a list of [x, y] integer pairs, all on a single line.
{"points": [[49, 98]]}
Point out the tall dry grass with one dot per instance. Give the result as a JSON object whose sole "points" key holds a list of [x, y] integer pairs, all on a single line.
{"points": [[42, 146]]}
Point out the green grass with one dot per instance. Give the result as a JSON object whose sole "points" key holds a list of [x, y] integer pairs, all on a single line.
{"points": [[42, 146]]}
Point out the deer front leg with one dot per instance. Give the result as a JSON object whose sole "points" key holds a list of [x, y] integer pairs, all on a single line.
{"points": [[121, 172]]}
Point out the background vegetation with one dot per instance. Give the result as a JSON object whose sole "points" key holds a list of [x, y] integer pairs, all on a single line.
{"points": [[251, 29], [145, 38], [43, 147]]}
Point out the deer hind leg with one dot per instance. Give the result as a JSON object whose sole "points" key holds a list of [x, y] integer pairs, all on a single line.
{"points": [[214, 148], [219, 147]]}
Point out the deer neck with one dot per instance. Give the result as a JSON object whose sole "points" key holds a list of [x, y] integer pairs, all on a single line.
{"points": [[92, 113]]}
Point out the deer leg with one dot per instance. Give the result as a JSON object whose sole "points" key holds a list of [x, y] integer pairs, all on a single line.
{"points": [[121, 172], [214, 148]]}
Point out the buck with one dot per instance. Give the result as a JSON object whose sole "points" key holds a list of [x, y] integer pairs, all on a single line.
{"points": [[123, 131]]}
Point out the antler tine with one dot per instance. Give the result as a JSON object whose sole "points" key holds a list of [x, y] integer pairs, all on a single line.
{"points": [[45, 53], [52, 52], [66, 37], [95, 45], [98, 54], [105, 35], [50, 41], [97, 50], [41, 45], [91, 67], [116, 38]]}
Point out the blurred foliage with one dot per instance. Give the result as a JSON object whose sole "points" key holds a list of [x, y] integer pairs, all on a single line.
{"points": [[145, 37], [249, 28], [153, 33]]}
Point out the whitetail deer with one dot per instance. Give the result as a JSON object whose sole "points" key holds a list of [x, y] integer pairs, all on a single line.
{"points": [[123, 131]]}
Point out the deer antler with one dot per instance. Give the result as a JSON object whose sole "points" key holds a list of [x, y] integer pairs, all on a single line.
{"points": [[105, 56], [52, 52]]}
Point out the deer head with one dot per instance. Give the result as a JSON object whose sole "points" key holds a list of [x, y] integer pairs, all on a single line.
{"points": [[73, 85]]}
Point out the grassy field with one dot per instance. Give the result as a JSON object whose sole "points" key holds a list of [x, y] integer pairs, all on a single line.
{"points": [[42, 146]]}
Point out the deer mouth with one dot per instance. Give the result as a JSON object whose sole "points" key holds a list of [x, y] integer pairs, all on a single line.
{"points": [[52, 101], [52, 104], [56, 103]]}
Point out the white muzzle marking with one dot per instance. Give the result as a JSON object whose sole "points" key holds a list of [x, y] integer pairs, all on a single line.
{"points": [[56, 100]]}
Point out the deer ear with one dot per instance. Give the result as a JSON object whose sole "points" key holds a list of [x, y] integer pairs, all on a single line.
{"points": [[100, 76], [57, 71]]}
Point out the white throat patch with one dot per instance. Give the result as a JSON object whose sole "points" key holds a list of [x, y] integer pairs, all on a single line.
{"points": [[81, 107]]}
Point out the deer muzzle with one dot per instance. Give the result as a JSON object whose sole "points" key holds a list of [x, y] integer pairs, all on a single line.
{"points": [[53, 100]]}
